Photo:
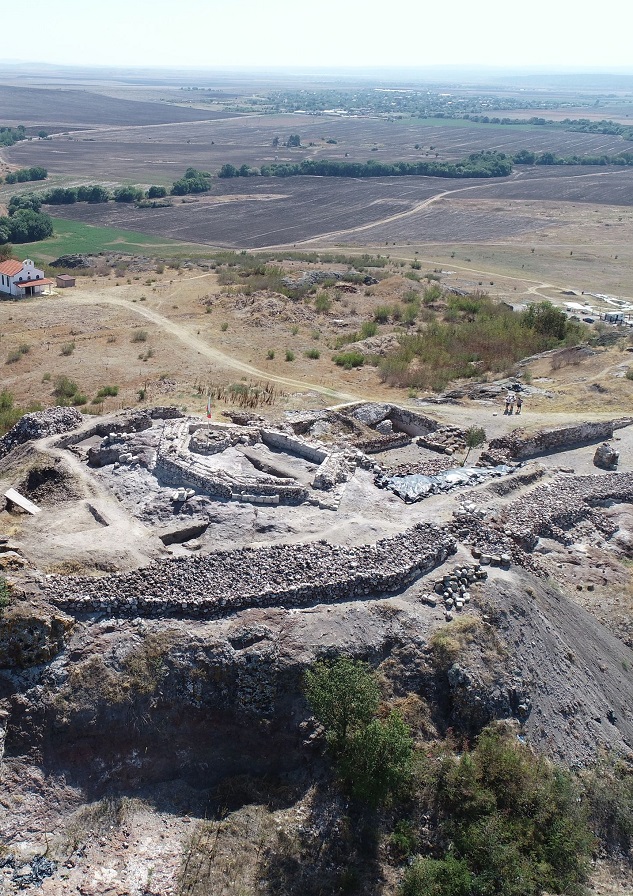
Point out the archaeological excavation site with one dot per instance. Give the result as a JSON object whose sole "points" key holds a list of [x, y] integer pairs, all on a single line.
{"points": [[169, 579]]}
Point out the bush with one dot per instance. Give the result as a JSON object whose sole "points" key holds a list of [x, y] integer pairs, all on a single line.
{"points": [[382, 314], [270, 355], [322, 303], [139, 336], [9, 414], [65, 387], [480, 336], [510, 818], [14, 356], [368, 328], [313, 353], [429, 877], [608, 792], [224, 327], [290, 356], [5, 594], [348, 360], [67, 349], [108, 392]]}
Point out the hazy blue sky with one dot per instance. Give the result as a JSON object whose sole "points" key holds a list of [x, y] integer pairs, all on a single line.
{"points": [[327, 33]]}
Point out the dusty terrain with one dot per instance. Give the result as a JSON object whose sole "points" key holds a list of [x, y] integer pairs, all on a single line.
{"points": [[125, 815], [181, 575]]}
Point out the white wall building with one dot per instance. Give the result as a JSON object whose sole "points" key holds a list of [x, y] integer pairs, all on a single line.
{"points": [[22, 278]]}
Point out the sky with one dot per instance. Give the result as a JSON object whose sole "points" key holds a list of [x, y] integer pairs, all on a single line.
{"points": [[329, 33]]}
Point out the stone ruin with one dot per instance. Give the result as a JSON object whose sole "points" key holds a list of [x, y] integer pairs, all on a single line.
{"points": [[288, 465], [519, 445], [283, 575], [183, 453]]}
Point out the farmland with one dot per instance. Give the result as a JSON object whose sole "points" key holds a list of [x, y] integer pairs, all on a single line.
{"points": [[61, 109], [160, 153], [72, 237]]}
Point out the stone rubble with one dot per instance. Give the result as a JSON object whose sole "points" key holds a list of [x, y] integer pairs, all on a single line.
{"points": [[454, 588], [38, 425], [283, 575]]}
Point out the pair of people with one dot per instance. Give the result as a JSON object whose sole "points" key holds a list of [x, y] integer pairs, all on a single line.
{"points": [[511, 398]]}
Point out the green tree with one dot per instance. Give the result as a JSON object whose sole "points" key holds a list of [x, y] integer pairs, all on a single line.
{"points": [[344, 697], [475, 436], [156, 192], [127, 194], [378, 759]]}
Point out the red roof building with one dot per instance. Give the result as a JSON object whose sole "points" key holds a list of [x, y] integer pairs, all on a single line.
{"points": [[22, 278]]}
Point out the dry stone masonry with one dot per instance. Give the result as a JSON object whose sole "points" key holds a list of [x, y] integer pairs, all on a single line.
{"points": [[520, 446], [282, 575], [38, 425]]}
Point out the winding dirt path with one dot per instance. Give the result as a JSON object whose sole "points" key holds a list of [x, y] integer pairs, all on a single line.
{"points": [[194, 342]]}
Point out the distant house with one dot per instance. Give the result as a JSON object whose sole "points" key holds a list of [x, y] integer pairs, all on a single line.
{"points": [[613, 317], [22, 278], [64, 281]]}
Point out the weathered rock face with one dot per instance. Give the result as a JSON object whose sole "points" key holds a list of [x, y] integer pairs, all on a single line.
{"points": [[606, 457], [52, 421], [31, 635]]}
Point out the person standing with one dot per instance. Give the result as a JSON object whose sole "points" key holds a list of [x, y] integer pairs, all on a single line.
{"points": [[519, 402]]}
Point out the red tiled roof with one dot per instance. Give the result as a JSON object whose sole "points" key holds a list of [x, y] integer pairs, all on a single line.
{"points": [[31, 282], [11, 267]]}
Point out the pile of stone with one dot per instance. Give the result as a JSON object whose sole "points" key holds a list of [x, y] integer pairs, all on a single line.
{"points": [[553, 509], [311, 278], [39, 425], [278, 576], [489, 542], [492, 457], [454, 588], [431, 466], [445, 440], [71, 261], [383, 442]]}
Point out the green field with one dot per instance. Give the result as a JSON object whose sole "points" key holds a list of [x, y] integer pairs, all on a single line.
{"points": [[73, 237]]}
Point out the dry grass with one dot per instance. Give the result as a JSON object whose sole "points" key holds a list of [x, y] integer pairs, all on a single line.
{"points": [[449, 643]]}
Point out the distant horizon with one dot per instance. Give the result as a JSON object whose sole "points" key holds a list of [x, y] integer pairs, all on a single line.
{"points": [[506, 69], [213, 34]]}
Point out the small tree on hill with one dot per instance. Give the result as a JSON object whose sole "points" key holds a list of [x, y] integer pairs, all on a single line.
{"points": [[475, 436], [344, 697]]}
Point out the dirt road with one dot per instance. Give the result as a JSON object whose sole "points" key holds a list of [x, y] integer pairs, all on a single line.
{"points": [[200, 345]]}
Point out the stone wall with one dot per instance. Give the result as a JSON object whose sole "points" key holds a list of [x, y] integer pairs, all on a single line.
{"points": [[282, 575], [520, 446], [39, 425], [282, 441]]}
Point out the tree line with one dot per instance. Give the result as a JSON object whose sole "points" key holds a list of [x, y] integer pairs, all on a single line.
{"points": [[477, 164], [23, 175]]}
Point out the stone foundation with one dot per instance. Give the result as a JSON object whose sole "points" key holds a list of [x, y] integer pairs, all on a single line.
{"points": [[281, 576]]}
